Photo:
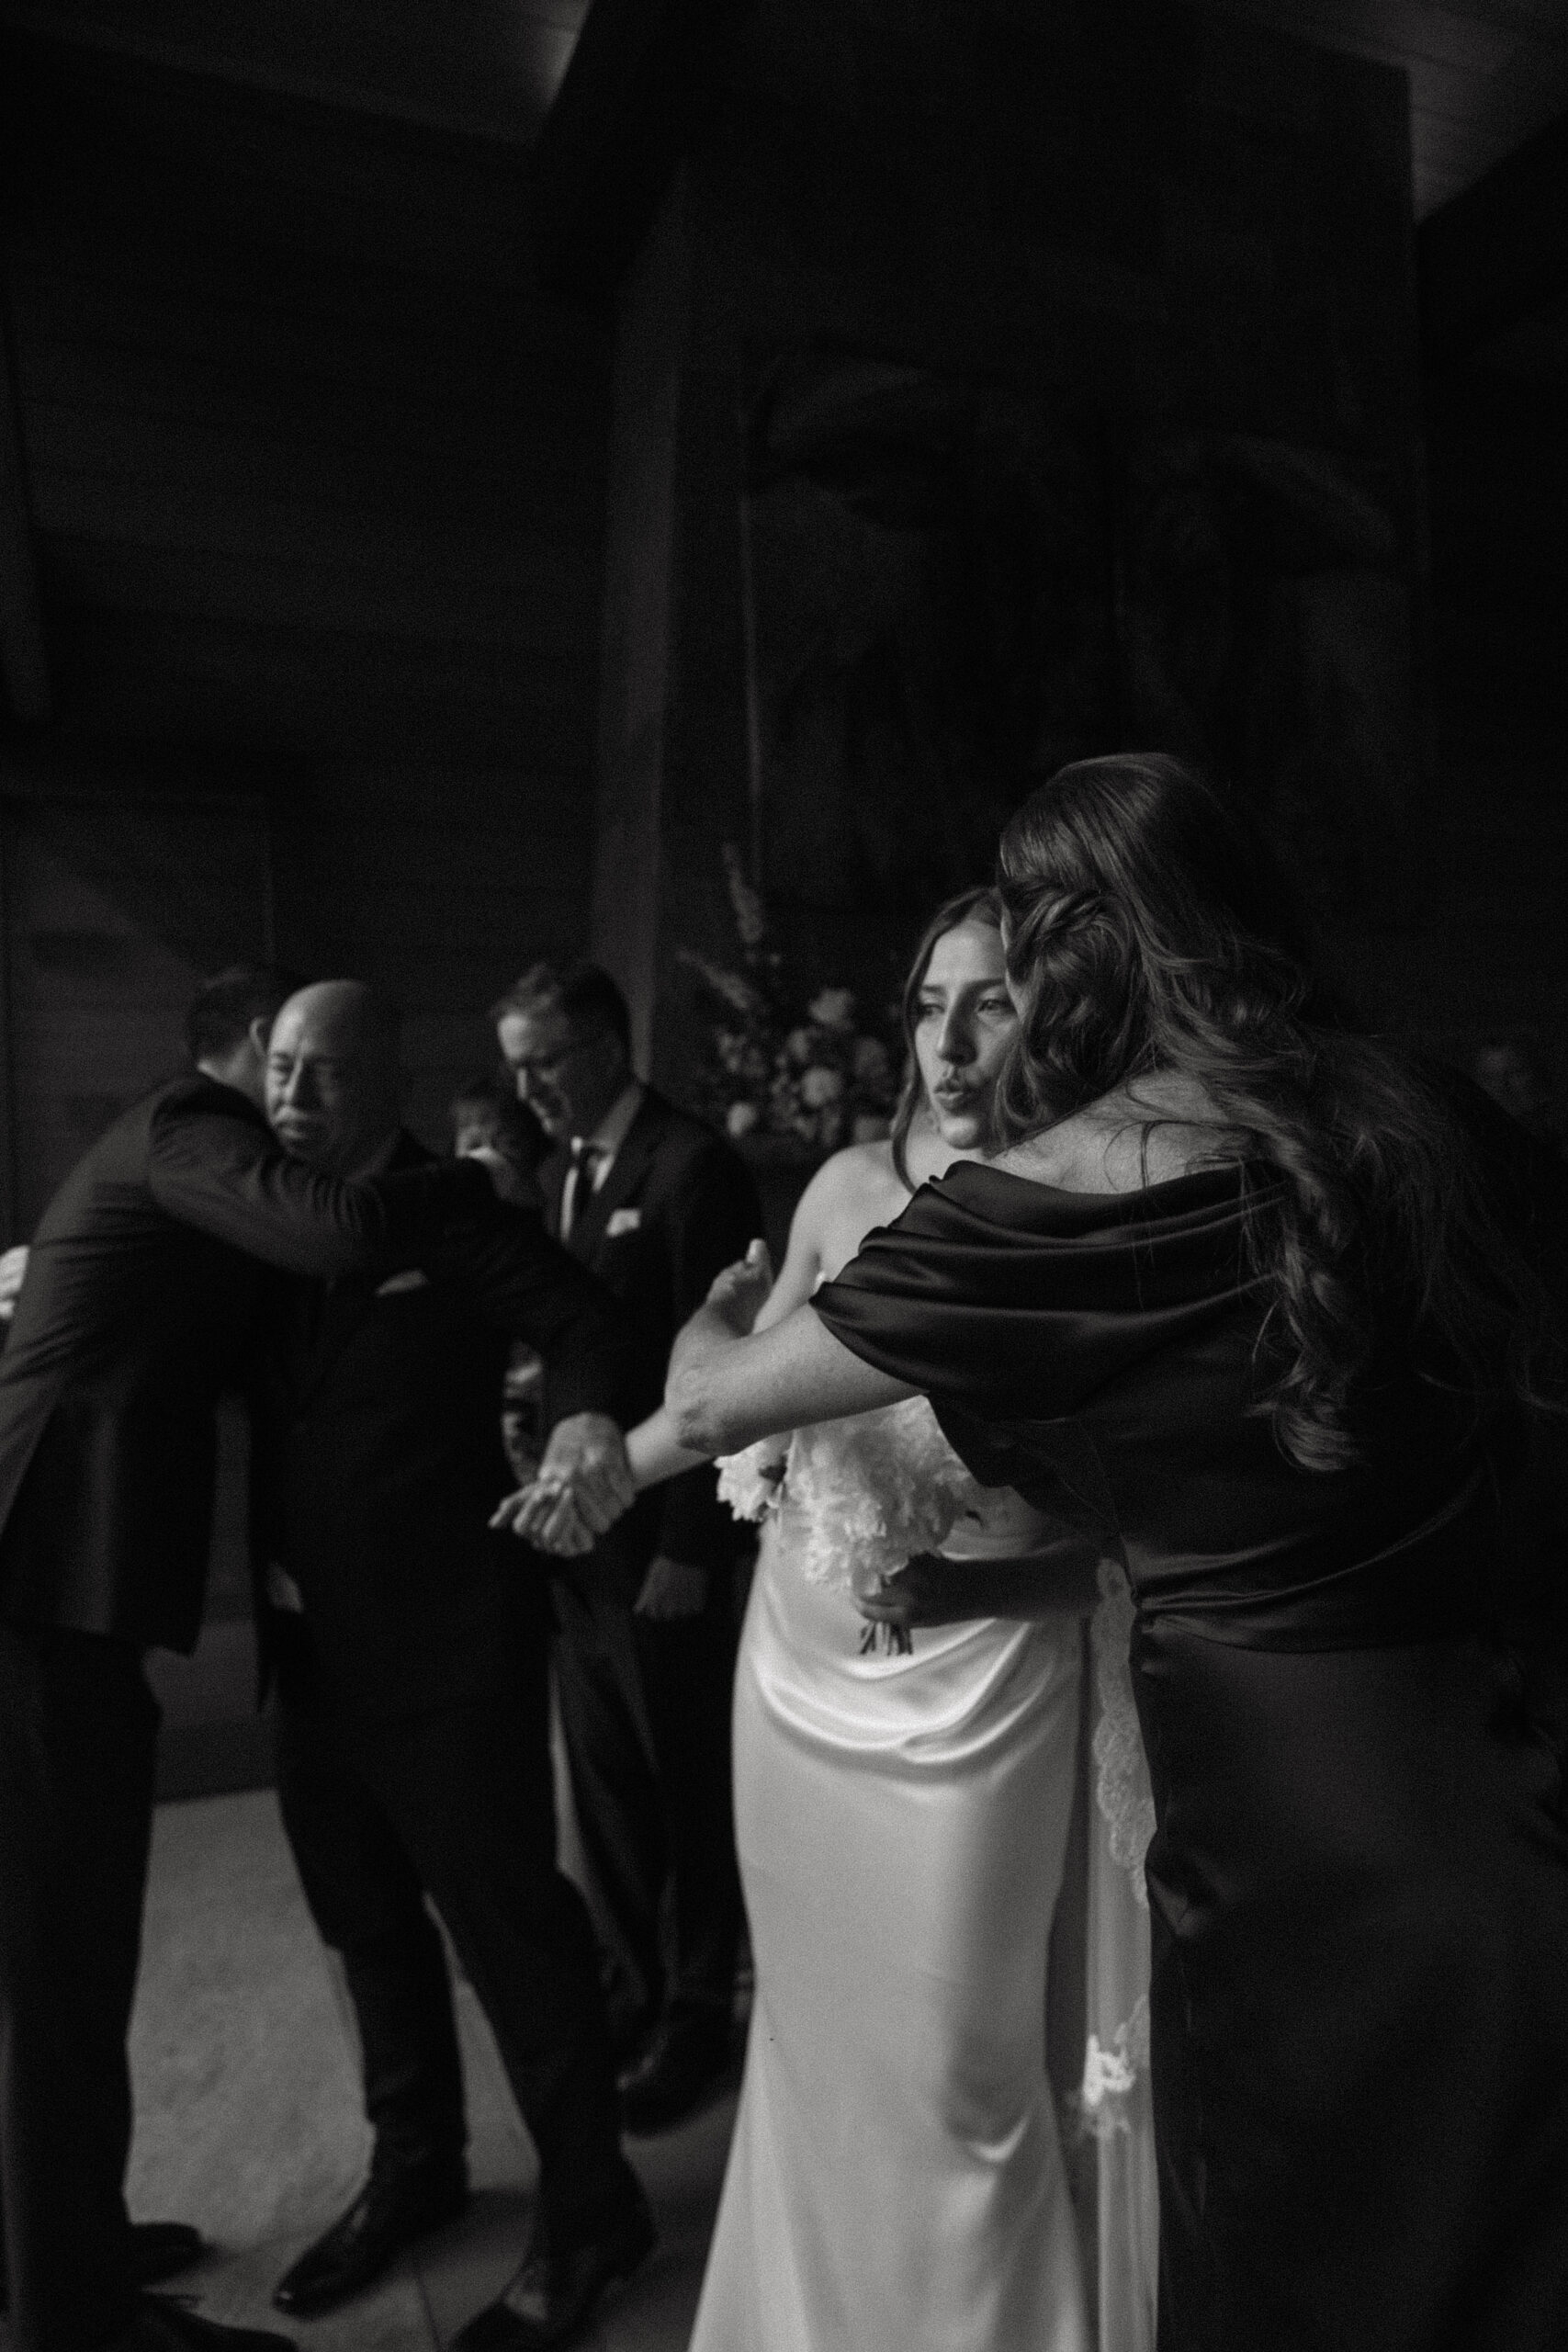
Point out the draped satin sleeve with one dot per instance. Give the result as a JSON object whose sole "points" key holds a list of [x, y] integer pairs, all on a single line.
{"points": [[1011, 1299], [1107, 1356]]}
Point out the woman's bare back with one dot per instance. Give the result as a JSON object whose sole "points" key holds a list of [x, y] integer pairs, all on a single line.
{"points": [[1144, 1133]]}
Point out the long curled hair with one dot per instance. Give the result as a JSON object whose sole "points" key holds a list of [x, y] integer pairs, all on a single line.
{"points": [[1149, 930], [980, 905]]}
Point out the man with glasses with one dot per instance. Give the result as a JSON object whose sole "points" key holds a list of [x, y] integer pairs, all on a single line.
{"points": [[655, 1205]]}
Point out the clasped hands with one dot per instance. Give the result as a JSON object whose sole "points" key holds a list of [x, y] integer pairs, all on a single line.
{"points": [[576, 1495], [580, 1488], [584, 1481]]}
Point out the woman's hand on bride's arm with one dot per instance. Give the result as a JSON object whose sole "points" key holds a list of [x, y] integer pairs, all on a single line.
{"points": [[1063, 1581]]}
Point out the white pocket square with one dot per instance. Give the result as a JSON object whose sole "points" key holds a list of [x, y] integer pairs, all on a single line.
{"points": [[622, 1221], [412, 1280]]}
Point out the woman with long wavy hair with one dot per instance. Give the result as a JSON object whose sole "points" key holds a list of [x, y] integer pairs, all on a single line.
{"points": [[1256, 1300]]}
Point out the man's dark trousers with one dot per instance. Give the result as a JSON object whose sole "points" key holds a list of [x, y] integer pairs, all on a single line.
{"points": [[645, 1709], [645, 1704], [455, 1801], [77, 1728]]}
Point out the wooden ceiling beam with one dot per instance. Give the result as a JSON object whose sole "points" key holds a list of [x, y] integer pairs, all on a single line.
{"points": [[1498, 252]]}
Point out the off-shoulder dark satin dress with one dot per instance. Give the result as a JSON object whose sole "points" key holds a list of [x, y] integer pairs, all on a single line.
{"points": [[1360, 1877]]}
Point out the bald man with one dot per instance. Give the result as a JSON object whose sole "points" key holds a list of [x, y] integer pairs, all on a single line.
{"points": [[139, 1299], [411, 1646]]}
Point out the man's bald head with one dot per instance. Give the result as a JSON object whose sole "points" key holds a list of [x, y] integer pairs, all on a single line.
{"points": [[333, 1074]]}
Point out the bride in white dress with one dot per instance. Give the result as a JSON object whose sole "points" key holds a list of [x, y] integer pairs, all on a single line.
{"points": [[896, 2179]]}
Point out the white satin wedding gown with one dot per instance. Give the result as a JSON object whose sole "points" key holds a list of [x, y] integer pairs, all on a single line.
{"points": [[895, 2178]]}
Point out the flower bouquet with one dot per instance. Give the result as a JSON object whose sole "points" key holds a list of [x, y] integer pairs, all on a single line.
{"points": [[860, 1498], [775, 1063]]}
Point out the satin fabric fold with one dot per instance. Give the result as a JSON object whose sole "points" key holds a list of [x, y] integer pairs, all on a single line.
{"points": [[896, 2179]]}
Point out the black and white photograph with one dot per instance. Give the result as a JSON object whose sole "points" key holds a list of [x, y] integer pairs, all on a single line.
{"points": [[783, 1175]]}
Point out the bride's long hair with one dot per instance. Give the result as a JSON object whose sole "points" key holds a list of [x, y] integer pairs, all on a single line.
{"points": [[1149, 930], [979, 905]]}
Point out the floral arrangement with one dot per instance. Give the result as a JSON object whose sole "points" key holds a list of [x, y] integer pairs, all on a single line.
{"points": [[776, 1065]]}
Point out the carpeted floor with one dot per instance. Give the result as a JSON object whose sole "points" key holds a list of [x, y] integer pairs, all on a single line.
{"points": [[248, 2119]]}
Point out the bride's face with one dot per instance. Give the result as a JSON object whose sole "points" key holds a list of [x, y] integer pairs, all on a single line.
{"points": [[963, 1025]]}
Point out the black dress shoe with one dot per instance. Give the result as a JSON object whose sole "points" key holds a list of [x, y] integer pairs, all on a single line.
{"points": [[687, 2059], [554, 2295], [164, 2325], [159, 2249], [393, 2209]]}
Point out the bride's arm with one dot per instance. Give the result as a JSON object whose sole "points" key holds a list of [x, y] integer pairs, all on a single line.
{"points": [[655, 1452], [653, 1447], [659, 1448], [729, 1385]]}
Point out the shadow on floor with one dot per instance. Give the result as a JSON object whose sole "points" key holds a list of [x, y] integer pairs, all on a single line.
{"points": [[248, 2119]]}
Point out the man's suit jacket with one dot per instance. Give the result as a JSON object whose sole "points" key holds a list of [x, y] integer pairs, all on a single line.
{"points": [[379, 1458], [677, 1207], [141, 1296]]}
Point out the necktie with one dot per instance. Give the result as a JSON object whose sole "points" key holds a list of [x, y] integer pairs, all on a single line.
{"points": [[579, 1185]]}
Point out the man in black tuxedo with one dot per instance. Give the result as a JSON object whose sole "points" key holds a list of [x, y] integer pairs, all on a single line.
{"points": [[138, 1300], [412, 1653], [655, 1205]]}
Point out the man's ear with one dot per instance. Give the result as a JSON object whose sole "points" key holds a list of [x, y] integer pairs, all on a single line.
{"points": [[260, 1031]]}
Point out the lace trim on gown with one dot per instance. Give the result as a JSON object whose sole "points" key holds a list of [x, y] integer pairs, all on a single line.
{"points": [[1121, 1790], [1114, 2067]]}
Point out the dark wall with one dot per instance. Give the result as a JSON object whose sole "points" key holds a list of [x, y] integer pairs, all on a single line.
{"points": [[1053, 368], [1497, 964], [316, 486], [1171, 212]]}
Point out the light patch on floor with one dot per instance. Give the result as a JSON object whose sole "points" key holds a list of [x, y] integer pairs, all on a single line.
{"points": [[248, 2119]]}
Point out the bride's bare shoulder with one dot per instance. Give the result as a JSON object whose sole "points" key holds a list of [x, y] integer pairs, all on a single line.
{"points": [[859, 1186], [1144, 1133]]}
